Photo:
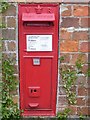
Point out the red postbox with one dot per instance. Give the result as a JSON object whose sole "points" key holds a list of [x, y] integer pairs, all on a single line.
{"points": [[38, 56]]}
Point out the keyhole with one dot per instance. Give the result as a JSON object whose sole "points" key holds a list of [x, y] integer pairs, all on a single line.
{"points": [[35, 90]]}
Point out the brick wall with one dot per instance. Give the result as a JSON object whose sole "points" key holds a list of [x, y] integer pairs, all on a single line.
{"points": [[10, 40], [74, 40]]}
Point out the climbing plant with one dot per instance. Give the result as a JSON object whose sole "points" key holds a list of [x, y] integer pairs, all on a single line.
{"points": [[9, 108], [69, 76], [64, 114], [4, 6]]}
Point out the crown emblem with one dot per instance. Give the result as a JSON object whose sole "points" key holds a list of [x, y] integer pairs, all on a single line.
{"points": [[38, 9]]}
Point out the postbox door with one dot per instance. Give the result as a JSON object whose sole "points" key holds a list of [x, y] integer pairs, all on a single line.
{"points": [[38, 83]]}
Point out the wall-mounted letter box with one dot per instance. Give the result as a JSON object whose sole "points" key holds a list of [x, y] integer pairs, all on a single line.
{"points": [[38, 56]]}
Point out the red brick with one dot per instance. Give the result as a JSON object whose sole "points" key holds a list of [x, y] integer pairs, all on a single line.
{"points": [[11, 46], [11, 11], [8, 34], [16, 76], [70, 22], [88, 101], [88, 88], [80, 11], [67, 12], [69, 46], [66, 57], [73, 89], [65, 35], [85, 47], [81, 80], [65, 66], [15, 99], [88, 81], [9, 55], [62, 100], [84, 69], [83, 110], [14, 92], [81, 101], [85, 22], [73, 109], [11, 22], [80, 35], [82, 91], [16, 69], [89, 110], [61, 81], [75, 57]]}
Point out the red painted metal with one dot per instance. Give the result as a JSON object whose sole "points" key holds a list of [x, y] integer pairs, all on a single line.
{"points": [[38, 81]]}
